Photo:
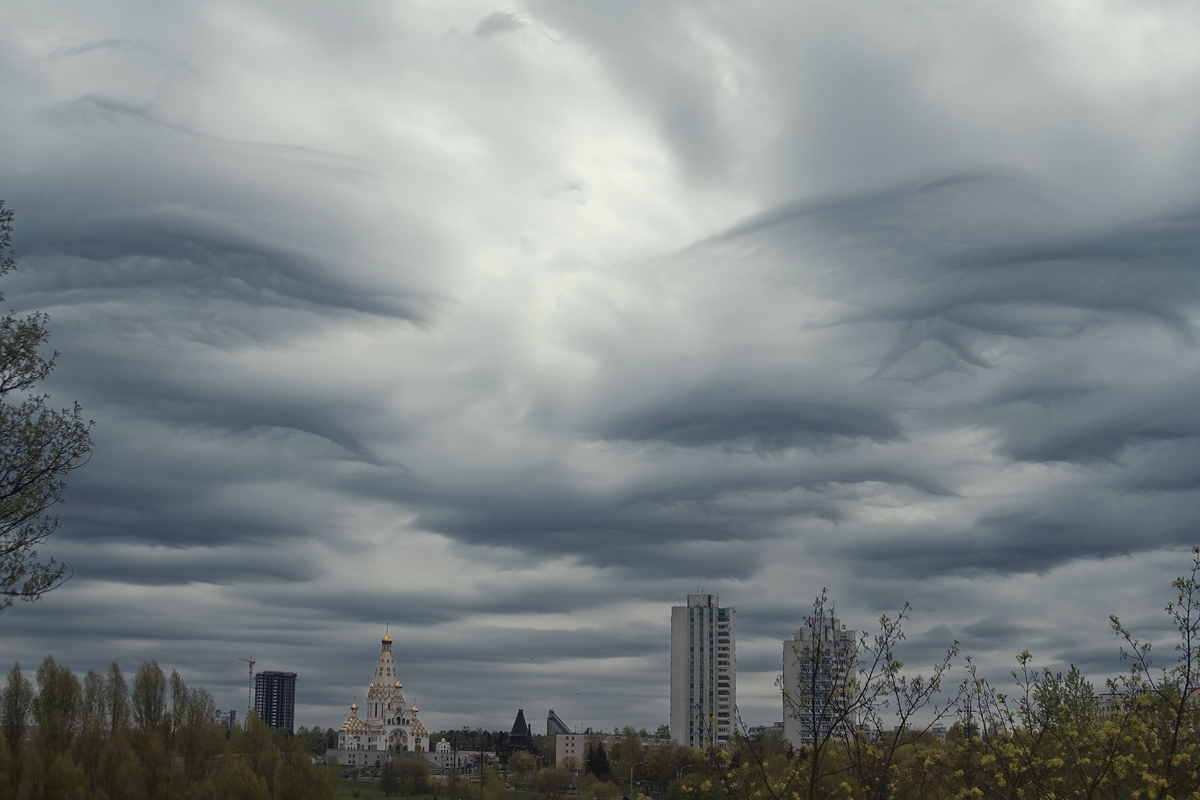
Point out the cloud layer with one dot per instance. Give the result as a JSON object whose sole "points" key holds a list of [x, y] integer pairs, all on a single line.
{"points": [[511, 326]]}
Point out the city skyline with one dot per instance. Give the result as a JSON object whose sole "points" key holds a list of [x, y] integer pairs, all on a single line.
{"points": [[509, 325]]}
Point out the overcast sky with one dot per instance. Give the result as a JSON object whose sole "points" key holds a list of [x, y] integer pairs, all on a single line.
{"points": [[512, 325]]}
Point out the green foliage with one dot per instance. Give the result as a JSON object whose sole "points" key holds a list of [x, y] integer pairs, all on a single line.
{"points": [[56, 708], [150, 699], [1047, 739], [95, 741], [389, 779], [551, 782], [38, 447], [595, 761], [522, 763], [412, 769], [16, 709]]}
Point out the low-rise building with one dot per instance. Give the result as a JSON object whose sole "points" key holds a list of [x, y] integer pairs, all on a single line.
{"points": [[568, 744]]}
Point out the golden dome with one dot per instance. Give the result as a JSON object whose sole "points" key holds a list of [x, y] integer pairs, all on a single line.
{"points": [[397, 684], [387, 639], [414, 709], [354, 706]]}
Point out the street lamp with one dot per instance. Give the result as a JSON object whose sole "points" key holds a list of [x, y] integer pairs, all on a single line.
{"points": [[631, 779]]}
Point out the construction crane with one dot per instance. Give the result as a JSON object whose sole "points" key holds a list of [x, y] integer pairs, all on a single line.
{"points": [[249, 685]]}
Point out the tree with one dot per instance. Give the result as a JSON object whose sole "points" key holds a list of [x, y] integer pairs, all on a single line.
{"points": [[523, 763], [841, 692], [413, 772], [150, 699], [38, 447], [596, 761], [1166, 695], [551, 782], [117, 700], [16, 708], [56, 707], [389, 779]]}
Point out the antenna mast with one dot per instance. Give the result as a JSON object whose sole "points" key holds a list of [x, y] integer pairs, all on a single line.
{"points": [[249, 685]]}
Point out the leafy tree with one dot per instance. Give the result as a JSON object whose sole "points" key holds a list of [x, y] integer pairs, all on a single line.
{"points": [[82, 745], [16, 708], [93, 709], [150, 699], [389, 779], [116, 699], [255, 744], [624, 754], [38, 447], [551, 782], [849, 694], [414, 772], [88, 749], [523, 763], [65, 780], [197, 737], [1165, 696], [299, 778], [596, 761], [56, 708], [236, 781]]}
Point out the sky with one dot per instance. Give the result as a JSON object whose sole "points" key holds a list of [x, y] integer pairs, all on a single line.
{"points": [[510, 326]]}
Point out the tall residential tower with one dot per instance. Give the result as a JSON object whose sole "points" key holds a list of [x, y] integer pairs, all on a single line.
{"points": [[818, 663], [703, 672], [275, 699]]}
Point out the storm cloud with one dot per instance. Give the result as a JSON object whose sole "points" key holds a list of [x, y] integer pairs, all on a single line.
{"points": [[511, 326]]}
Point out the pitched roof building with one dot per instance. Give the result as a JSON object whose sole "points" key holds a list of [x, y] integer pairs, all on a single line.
{"points": [[520, 738]]}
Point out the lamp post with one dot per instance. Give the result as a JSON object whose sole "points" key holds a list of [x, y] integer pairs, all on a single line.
{"points": [[631, 779]]}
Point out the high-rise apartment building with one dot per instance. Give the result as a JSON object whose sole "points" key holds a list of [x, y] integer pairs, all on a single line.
{"points": [[275, 699], [703, 672], [817, 665]]}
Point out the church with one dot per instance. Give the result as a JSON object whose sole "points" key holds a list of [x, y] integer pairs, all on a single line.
{"points": [[386, 728]]}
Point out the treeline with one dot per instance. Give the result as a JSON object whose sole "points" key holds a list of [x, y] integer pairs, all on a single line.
{"points": [[101, 739]]}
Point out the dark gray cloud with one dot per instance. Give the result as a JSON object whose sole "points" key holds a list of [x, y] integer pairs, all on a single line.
{"points": [[497, 22], [511, 327]]}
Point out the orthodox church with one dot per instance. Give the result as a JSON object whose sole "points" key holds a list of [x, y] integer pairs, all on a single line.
{"points": [[387, 726]]}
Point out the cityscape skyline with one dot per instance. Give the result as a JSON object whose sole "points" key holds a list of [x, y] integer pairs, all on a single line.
{"points": [[509, 324]]}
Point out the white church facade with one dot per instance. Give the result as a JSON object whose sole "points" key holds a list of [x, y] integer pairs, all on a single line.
{"points": [[386, 728]]}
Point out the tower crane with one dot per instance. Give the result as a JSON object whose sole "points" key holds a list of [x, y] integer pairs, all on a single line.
{"points": [[249, 685]]}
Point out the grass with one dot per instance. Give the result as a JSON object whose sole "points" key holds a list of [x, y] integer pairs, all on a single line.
{"points": [[368, 790]]}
